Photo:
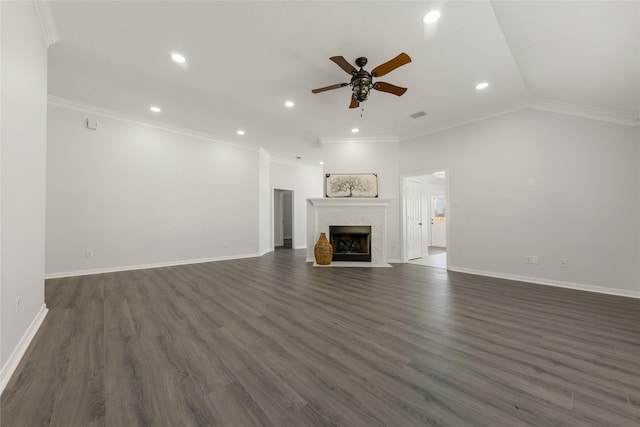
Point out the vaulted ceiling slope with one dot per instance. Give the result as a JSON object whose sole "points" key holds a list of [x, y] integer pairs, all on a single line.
{"points": [[244, 59]]}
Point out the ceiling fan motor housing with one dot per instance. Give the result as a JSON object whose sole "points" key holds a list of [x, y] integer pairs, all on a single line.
{"points": [[362, 84]]}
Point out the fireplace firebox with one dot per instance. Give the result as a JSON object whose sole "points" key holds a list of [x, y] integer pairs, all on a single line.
{"points": [[351, 242]]}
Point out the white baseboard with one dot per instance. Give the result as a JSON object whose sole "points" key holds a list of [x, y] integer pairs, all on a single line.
{"points": [[87, 272], [12, 363], [352, 264], [548, 282], [356, 264], [266, 251]]}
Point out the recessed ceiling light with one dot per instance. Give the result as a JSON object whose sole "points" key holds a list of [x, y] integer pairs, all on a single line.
{"points": [[155, 109], [482, 85], [431, 17], [240, 132], [289, 104], [355, 130], [322, 163], [178, 58]]}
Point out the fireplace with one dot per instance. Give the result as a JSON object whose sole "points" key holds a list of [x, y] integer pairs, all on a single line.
{"points": [[351, 242], [349, 211]]}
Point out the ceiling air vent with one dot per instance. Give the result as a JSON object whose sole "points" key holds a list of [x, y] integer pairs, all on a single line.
{"points": [[418, 114]]}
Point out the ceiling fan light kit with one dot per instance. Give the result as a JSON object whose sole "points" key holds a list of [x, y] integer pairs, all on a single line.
{"points": [[362, 80]]}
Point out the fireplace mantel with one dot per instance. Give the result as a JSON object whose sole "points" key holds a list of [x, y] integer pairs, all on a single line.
{"points": [[321, 213], [348, 202]]}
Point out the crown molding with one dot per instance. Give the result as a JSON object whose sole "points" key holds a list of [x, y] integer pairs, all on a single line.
{"points": [[69, 104], [367, 139], [469, 120], [291, 163], [594, 113], [576, 110], [47, 21], [265, 153], [129, 118]]}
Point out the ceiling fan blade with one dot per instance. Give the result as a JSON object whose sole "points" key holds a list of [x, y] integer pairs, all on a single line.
{"points": [[336, 86], [344, 64], [391, 65], [354, 102], [388, 87]]}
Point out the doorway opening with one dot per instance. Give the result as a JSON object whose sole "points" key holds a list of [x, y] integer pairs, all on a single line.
{"points": [[426, 219], [282, 219]]}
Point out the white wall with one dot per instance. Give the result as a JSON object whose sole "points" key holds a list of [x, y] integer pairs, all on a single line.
{"points": [[305, 182], [584, 206], [22, 168], [372, 157], [138, 195]]}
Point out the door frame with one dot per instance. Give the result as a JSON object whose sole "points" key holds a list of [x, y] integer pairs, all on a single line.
{"points": [[403, 213]]}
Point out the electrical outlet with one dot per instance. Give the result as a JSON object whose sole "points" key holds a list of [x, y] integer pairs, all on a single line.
{"points": [[89, 253], [564, 263], [527, 259], [17, 305], [534, 260]]}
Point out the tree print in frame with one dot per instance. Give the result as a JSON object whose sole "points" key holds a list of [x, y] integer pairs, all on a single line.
{"points": [[356, 185]]}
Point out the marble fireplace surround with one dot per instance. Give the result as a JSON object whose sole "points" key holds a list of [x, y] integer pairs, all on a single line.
{"points": [[321, 213]]}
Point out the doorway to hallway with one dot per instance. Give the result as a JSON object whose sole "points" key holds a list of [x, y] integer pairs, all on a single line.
{"points": [[425, 220], [282, 218]]}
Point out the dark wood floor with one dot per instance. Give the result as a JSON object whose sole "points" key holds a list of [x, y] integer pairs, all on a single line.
{"points": [[274, 341]]}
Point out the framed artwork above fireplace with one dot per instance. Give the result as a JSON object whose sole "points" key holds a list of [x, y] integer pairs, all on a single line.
{"points": [[356, 185]]}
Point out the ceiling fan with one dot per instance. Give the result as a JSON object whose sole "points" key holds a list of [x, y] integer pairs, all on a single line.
{"points": [[362, 80]]}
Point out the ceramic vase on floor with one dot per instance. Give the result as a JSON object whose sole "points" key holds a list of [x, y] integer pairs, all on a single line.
{"points": [[323, 251]]}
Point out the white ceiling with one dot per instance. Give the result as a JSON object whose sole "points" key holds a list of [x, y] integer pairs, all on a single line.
{"points": [[245, 59]]}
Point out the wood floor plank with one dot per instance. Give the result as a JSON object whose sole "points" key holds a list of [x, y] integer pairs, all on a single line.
{"points": [[330, 400], [274, 341], [271, 393], [83, 377], [234, 406], [306, 417]]}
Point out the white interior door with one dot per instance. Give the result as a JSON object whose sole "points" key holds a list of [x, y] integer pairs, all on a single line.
{"points": [[414, 219], [438, 220]]}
